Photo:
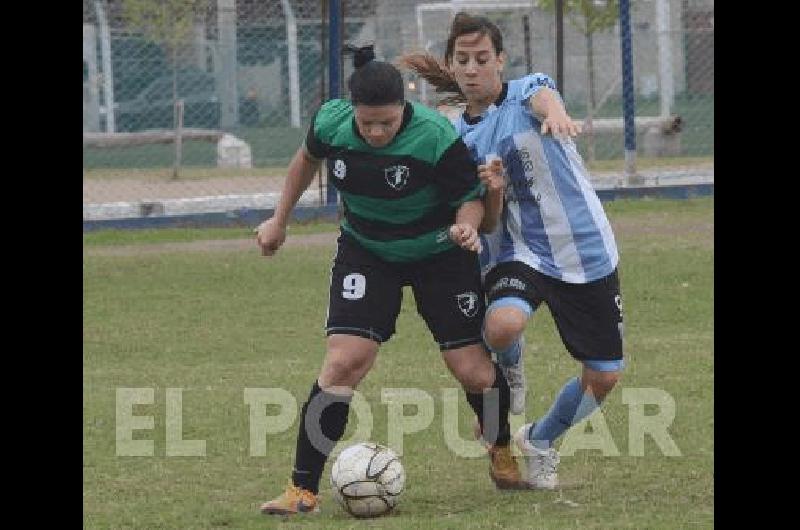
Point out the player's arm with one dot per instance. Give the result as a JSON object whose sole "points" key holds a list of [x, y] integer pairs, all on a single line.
{"points": [[492, 176], [272, 233], [548, 108], [464, 232], [457, 179]]}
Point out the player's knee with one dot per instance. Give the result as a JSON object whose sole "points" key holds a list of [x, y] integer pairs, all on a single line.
{"points": [[479, 379], [503, 326], [601, 383], [343, 368]]}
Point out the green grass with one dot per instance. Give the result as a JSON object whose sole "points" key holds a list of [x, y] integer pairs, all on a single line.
{"points": [[217, 323], [179, 235], [692, 210]]}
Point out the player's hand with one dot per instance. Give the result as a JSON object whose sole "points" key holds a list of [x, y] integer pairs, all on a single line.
{"points": [[465, 236], [560, 125], [492, 175], [270, 235]]}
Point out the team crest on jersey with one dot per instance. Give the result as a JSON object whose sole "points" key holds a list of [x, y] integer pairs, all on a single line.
{"points": [[396, 176], [339, 169], [468, 303]]}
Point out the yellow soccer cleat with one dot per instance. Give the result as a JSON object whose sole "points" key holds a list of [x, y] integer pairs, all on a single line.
{"points": [[504, 470], [294, 500]]}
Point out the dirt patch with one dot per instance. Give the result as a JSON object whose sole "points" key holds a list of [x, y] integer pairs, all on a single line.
{"points": [[656, 224], [133, 190]]}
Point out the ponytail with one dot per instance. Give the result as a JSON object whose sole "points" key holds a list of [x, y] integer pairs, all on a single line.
{"points": [[362, 55], [427, 67]]}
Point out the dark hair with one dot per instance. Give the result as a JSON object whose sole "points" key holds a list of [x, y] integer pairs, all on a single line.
{"points": [[463, 24], [430, 69], [373, 82]]}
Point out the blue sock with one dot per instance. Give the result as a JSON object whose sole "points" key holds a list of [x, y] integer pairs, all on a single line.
{"points": [[570, 407]]}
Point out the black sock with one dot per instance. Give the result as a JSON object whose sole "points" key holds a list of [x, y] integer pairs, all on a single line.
{"points": [[309, 458], [497, 400]]}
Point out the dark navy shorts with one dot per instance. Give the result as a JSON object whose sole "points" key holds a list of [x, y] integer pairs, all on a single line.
{"points": [[588, 315], [366, 293]]}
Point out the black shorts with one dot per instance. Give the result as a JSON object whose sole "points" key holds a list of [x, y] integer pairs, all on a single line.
{"points": [[588, 315], [366, 292]]}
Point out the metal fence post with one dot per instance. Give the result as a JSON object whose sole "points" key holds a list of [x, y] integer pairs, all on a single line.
{"points": [[560, 48], [627, 91], [334, 65], [226, 22]]}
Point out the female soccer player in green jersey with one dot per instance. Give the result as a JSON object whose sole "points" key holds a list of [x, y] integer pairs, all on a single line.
{"points": [[412, 211]]}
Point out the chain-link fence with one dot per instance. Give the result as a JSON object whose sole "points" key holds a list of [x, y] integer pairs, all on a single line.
{"points": [[209, 99]]}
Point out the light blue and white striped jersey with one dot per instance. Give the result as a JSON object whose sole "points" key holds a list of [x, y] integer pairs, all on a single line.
{"points": [[552, 218]]}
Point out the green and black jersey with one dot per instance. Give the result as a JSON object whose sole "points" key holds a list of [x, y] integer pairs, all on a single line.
{"points": [[399, 200]]}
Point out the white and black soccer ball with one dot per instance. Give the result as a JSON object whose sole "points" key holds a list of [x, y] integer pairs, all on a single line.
{"points": [[367, 479]]}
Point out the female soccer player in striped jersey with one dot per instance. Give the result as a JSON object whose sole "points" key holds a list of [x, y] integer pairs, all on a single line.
{"points": [[554, 244]]}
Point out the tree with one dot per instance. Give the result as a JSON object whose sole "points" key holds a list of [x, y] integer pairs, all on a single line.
{"points": [[588, 17], [168, 23]]}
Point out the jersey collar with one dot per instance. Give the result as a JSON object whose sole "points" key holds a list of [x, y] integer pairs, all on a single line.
{"points": [[472, 120]]}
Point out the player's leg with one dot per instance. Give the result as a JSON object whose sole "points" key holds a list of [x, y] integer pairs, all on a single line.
{"points": [[363, 306], [487, 393], [589, 320], [450, 298], [512, 301], [323, 419]]}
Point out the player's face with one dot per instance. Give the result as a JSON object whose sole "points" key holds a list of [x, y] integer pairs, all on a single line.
{"points": [[379, 124], [476, 66]]}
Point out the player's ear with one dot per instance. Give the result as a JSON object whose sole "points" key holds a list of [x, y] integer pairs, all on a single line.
{"points": [[501, 62]]}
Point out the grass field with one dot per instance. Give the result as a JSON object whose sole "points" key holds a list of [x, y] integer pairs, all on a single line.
{"points": [[101, 238], [215, 323]]}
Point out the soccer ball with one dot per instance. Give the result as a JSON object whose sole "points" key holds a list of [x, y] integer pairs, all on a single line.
{"points": [[367, 479]]}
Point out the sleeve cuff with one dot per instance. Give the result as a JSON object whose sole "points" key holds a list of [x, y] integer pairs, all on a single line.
{"points": [[475, 193]]}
